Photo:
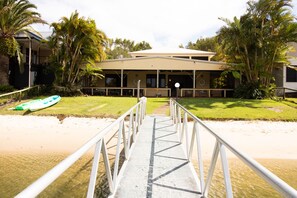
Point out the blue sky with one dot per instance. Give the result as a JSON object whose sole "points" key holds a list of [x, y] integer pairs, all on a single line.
{"points": [[162, 23]]}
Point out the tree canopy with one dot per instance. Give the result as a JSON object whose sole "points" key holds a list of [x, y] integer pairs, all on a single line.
{"points": [[258, 41], [120, 48], [76, 43], [209, 44], [16, 16]]}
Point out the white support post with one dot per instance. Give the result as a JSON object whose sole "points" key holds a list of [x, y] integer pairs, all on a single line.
{"points": [[211, 170], [92, 183], [226, 173], [194, 83], [122, 81], [157, 78], [117, 157], [107, 167], [30, 62]]}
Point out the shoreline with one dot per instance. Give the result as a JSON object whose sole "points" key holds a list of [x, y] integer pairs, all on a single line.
{"points": [[47, 134]]}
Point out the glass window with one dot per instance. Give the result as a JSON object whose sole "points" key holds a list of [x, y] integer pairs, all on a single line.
{"points": [[151, 81], [291, 75], [33, 56], [114, 80]]}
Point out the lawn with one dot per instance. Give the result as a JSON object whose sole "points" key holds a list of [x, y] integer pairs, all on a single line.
{"points": [[241, 109], [204, 108], [89, 106]]}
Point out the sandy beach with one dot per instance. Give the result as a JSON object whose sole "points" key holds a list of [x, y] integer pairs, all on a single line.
{"points": [[47, 133], [37, 143], [258, 139]]}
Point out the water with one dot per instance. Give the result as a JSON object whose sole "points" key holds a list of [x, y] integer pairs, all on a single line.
{"points": [[246, 183], [17, 171]]}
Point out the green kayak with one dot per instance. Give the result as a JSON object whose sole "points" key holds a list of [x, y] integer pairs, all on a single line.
{"points": [[26, 105], [47, 102]]}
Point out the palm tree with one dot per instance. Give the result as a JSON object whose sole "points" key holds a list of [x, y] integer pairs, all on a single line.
{"points": [[16, 16], [75, 42], [259, 40]]}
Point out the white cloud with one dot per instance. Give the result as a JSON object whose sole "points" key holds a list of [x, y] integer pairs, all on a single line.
{"points": [[166, 23]]}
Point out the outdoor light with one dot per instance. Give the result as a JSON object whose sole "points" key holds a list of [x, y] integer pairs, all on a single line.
{"points": [[177, 85]]}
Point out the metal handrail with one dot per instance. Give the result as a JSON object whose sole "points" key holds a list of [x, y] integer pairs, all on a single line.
{"points": [[19, 91], [136, 115], [220, 145]]}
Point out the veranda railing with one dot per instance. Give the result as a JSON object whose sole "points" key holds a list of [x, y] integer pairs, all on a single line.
{"points": [[179, 113], [136, 115], [18, 95]]}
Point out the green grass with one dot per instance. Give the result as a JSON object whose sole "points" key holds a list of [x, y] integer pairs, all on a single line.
{"points": [[89, 106], [204, 108], [240, 109]]}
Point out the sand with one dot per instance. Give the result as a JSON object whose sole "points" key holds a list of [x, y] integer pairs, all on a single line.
{"points": [[258, 139], [47, 133]]}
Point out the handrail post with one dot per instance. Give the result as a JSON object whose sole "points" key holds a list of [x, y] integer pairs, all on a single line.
{"points": [[213, 162], [226, 173], [92, 182]]}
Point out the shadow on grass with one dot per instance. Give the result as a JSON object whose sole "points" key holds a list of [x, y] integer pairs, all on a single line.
{"points": [[212, 103]]}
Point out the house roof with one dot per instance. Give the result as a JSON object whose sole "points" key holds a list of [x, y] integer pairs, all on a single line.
{"points": [[160, 63], [171, 52], [28, 35]]}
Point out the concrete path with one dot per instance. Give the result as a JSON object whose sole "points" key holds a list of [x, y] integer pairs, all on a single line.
{"points": [[158, 166]]}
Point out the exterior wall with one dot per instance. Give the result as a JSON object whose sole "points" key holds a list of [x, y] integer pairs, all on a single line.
{"points": [[202, 80], [293, 60], [158, 63], [291, 85]]}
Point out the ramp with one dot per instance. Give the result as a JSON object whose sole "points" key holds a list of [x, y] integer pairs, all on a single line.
{"points": [[158, 166]]}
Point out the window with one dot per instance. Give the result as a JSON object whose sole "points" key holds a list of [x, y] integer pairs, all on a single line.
{"points": [[151, 81], [114, 80], [291, 75], [33, 56]]}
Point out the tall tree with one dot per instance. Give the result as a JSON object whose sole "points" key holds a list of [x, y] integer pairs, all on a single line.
{"points": [[120, 48], [259, 40], [75, 43], [209, 44], [16, 16]]}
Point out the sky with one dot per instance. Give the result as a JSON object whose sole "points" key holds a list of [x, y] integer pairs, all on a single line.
{"points": [[162, 23]]}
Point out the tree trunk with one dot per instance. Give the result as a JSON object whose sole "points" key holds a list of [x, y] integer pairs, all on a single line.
{"points": [[4, 69]]}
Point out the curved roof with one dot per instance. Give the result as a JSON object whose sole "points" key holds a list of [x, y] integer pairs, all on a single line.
{"points": [[171, 52]]}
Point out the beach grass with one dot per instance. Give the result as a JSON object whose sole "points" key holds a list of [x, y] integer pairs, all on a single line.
{"points": [[93, 106], [241, 109]]}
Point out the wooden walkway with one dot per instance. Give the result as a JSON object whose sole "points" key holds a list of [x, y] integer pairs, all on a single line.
{"points": [[158, 166]]}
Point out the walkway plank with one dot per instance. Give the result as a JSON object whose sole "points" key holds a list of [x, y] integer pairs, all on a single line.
{"points": [[158, 166]]}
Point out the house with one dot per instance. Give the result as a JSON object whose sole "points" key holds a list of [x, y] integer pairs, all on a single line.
{"points": [[35, 58], [158, 70], [286, 75], [290, 73]]}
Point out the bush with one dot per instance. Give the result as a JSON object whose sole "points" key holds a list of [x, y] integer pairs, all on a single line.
{"points": [[6, 88], [66, 91], [254, 91]]}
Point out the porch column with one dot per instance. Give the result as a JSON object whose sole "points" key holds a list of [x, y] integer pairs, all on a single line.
{"points": [[122, 81], [30, 60], [157, 78], [194, 82]]}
